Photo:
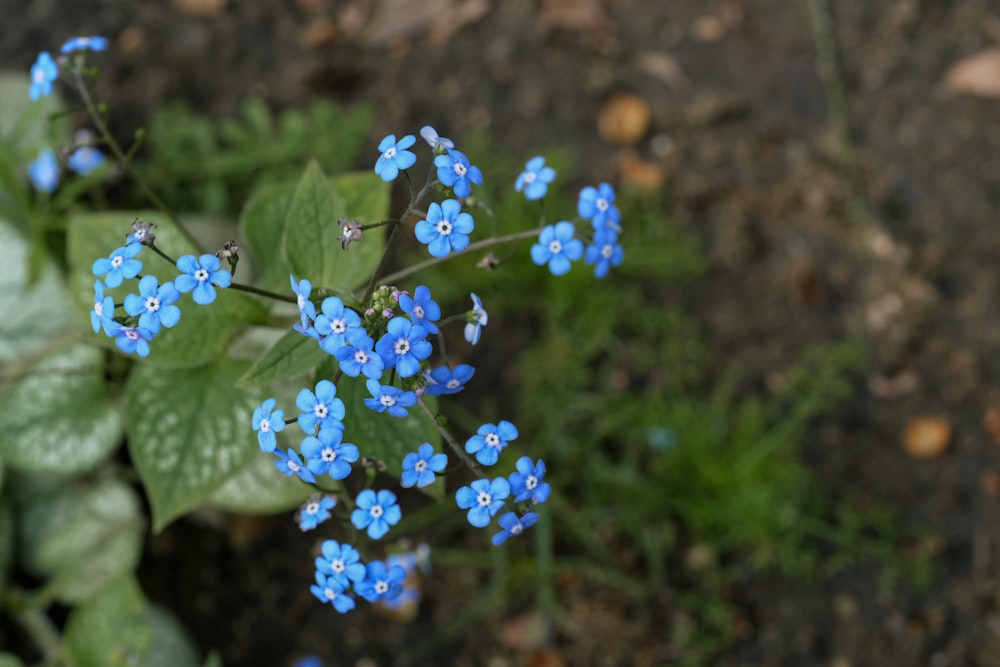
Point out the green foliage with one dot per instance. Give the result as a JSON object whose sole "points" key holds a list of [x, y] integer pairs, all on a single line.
{"points": [[210, 165]]}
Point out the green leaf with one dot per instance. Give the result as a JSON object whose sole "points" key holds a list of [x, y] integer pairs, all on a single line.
{"points": [[260, 488], [58, 417], [33, 314], [189, 432], [84, 535], [112, 628], [27, 123], [203, 331], [10, 660], [311, 231], [172, 645], [293, 354], [263, 226], [380, 434]]}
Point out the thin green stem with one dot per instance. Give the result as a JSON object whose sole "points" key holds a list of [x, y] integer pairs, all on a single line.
{"points": [[124, 161], [240, 287], [452, 442], [478, 245]]}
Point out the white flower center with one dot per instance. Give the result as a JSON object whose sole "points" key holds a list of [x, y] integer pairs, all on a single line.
{"points": [[453, 383], [607, 251], [361, 357], [484, 499], [301, 301], [132, 334], [381, 587], [201, 275], [265, 425], [420, 465], [117, 261], [321, 411], [459, 169], [443, 228], [329, 593], [516, 528], [602, 204], [329, 454], [99, 309], [418, 312], [387, 400], [338, 326], [152, 304], [555, 246], [531, 482], [376, 511], [338, 566], [493, 440], [293, 466], [312, 507], [529, 177], [401, 347], [390, 153]]}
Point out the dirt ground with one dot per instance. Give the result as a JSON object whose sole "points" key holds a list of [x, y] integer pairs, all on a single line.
{"points": [[842, 189]]}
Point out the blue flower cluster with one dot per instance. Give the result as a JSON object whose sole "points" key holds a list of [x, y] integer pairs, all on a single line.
{"points": [[153, 308], [339, 569]]}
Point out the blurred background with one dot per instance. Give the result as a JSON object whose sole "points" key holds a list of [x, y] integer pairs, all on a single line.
{"points": [[772, 435]]}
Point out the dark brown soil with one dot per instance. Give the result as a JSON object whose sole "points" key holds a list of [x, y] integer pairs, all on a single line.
{"points": [[873, 219]]}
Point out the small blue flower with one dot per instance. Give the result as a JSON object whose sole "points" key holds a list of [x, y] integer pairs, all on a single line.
{"points": [[290, 464], [326, 454], [321, 408], [43, 73], [85, 159], [376, 512], [307, 310], [445, 229], [557, 246], [340, 561], [315, 511], [443, 380], [403, 346], [333, 323], [153, 304], [142, 233], [434, 140], [267, 421], [476, 319], [104, 309], [394, 157], [386, 398], [200, 275], [85, 44], [512, 526], [605, 251], [133, 340], [455, 171], [381, 582], [359, 356], [119, 265], [597, 205], [483, 499], [419, 467], [44, 171], [527, 484], [490, 440], [326, 589], [421, 308], [534, 180]]}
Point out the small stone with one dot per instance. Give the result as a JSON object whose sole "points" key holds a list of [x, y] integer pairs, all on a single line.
{"points": [[624, 119], [926, 437]]}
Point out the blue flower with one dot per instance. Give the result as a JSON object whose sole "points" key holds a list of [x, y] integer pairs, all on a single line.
{"points": [[85, 159], [443, 380], [333, 323], [483, 499], [290, 464], [85, 44], [597, 205], [340, 561], [490, 440], [104, 309], [557, 246], [142, 233], [535, 178], [435, 141], [376, 512], [43, 73], [605, 251], [267, 421], [153, 304], [445, 229], [315, 511], [403, 346], [321, 408], [421, 309], [200, 275], [394, 156], [386, 398], [455, 172], [419, 467], [359, 356], [527, 484], [326, 589], [476, 319], [44, 171], [380, 582], [326, 454], [512, 526], [307, 310], [119, 265], [133, 340]]}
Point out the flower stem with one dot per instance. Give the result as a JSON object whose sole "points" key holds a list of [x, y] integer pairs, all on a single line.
{"points": [[240, 287], [452, 442]]}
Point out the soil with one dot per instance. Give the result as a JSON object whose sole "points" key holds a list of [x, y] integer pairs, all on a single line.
{"points": [[841, 190]]}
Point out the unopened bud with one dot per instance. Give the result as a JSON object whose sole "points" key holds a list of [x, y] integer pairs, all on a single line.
{"points": [[142, 232], [350, 230]]}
